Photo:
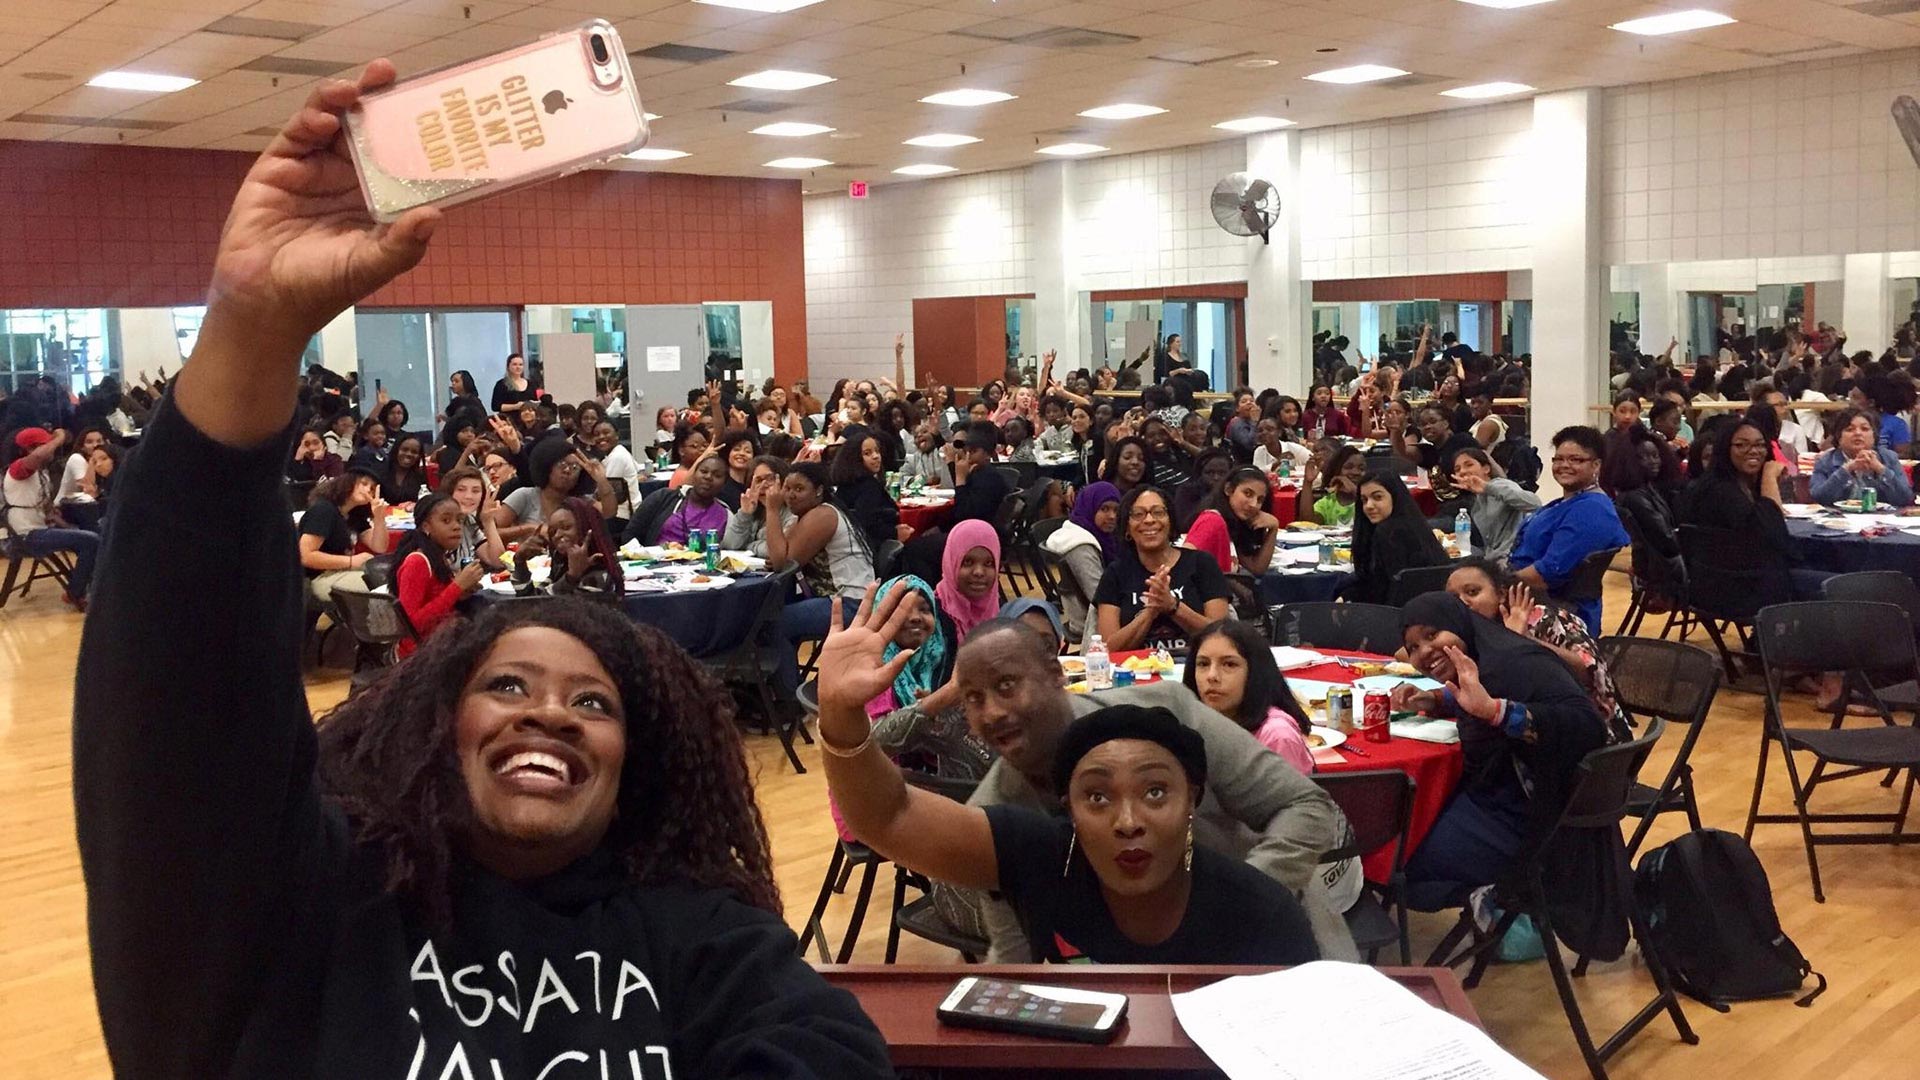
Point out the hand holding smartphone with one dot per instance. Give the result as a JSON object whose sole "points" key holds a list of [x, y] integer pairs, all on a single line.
{"points": [[550, 107]]}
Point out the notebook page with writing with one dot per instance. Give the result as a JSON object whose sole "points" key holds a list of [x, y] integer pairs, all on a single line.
{"points": [[1275, 1027]]}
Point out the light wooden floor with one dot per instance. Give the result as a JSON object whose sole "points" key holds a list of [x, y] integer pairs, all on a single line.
{"points": [[1867, 1024]]}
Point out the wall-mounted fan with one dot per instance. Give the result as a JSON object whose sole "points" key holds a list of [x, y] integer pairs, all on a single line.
{"points": [[1245, 206]]}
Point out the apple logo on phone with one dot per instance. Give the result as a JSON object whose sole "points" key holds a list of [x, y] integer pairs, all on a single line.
{"points": [[555, 101]]}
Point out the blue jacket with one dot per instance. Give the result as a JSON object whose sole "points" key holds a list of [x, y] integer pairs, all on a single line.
{"points": [[1832, 482], [1562, 533]]}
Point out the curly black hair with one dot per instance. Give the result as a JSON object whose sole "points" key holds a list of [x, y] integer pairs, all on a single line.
{"points": [[685, 810]]}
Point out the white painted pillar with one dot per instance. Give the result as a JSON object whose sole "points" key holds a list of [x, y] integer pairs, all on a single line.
{"points": [[1866, 307], [1562, 170], [1059, 316], [339, 346], [1279, 305]]}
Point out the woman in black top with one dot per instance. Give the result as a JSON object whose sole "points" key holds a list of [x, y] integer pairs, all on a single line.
{"points": [[406, 473], [463, 395], [1390, 534], [738, 450], [533, 842], [1118, 880], [858, 487], [1210, 472], [370, 443], [395, 416], [1127, 463], [1740, 493], [1155, 594], [456, 442], [513, 387], [1171, 463]]}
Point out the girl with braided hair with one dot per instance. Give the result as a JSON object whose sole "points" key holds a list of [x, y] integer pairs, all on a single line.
{"points": [[532, 844]]}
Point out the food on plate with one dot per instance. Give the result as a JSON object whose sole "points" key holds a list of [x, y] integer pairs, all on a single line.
{"points": [[1315, 741], [1401, 667], [1146, 664], [1303, 526], [1364, 668], [1073, 666], [1849, 504], [699, 579]]}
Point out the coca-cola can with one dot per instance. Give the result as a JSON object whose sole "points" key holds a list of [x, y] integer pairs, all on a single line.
{"points": [[1374, 719]]}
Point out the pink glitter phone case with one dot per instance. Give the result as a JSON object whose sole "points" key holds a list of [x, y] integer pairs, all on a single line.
{"points": [[467, 131]]}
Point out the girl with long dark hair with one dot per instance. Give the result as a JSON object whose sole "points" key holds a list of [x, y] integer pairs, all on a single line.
{"points": [[1230, 667], [1235, 525], [1128, 464], [533, 841], [857, 475], [1390, 534]]}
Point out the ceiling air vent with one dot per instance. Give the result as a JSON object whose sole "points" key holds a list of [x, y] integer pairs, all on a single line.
{"points": [[1076, 37], [761, 106], [1884, 8], [241, 26], [294, 65], [92, 122]]}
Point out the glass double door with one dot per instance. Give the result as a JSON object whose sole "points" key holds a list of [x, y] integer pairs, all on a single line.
{"points": [[412, 356]]}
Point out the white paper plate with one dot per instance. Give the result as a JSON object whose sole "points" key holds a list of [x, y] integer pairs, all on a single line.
{"points": [[1300, 536], [1333, 738]]}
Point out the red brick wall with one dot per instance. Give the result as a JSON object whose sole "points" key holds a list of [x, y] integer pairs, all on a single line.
{"points": [[115, 226]]}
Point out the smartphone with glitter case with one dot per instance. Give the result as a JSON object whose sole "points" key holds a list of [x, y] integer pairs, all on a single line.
{"points": [[550, 107]]}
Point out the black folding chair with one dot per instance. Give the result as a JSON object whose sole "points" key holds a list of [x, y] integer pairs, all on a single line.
{"points": [[1418, 581], [1589, 578], [1598, 801], [1368, 628], [1378, 804], [1005, 520], [1651, 575], [1673, 682], [1056, 579], [1853, 639], [886, 561], [378, 623], [55, 566], [752, 665], [847, 855], [922, 918], [1727, 586], [1883, 587]]}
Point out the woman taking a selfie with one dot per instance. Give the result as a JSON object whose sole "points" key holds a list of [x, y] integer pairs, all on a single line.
{"points": [[1118, 880], [532, 843]]}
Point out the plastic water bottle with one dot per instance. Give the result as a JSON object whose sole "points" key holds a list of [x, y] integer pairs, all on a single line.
{"points": [[1099, 666], [1326, 553], [1463, 533], [1286, 466]]}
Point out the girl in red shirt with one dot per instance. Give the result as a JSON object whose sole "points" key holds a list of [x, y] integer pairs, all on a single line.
{"points": [[424, 580]]}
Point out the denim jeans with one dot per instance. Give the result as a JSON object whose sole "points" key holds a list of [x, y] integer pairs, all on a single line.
{"points": [[84, 546], [802, 620]]}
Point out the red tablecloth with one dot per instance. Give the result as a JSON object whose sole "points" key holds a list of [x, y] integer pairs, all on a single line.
{"points": [[922, 518], [1286, 502], [1435, 767]]}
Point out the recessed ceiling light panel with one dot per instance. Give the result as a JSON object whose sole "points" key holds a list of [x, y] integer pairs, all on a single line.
{"points": [[942, 140], [770, 7], [798, 163], [655, 153], [1673, 22], [142, 81], [928, 169], [791, 129], [1253, 123], [1488, 90], [967, 98], [1122, 112], [1072, 149], [776, 79], [1358, 73]]}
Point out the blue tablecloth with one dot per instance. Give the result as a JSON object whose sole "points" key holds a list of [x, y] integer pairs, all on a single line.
{"points": [[1846, 553], [647, 487], [1276, 588], [705, 622]]}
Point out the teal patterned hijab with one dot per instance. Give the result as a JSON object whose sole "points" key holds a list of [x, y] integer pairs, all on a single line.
{"points": [[932, 662]]}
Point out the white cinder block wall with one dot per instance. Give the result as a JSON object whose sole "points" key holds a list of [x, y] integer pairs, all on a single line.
{"points": [[1434, 194], [1790, 165]]}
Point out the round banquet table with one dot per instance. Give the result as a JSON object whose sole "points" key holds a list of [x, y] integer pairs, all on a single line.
{"points": [[1290, 588], [1435, 767], [644, 488], [922, 518], [705, 622], [1846, 553]]}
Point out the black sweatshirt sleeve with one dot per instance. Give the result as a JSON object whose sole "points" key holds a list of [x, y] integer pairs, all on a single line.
{"points": [[745, 1004], [206, 852]]}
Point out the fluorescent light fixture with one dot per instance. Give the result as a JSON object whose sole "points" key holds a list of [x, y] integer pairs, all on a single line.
{"points": [[1358, 73], [651, 117], [776, 79], [791, 129], [1253, 123], [1072, 149], [1122, 112], [1673, 22], [968, 98], [770, 7], [940, 140], [1488, 90], [141, 81], [923, 170], [655, 153], [797, 163], [1504, 4]]}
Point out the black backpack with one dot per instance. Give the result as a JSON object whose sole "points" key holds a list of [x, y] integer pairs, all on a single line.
{"points": [[1709, 915]]}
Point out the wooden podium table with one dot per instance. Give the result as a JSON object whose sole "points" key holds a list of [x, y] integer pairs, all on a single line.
{"points": [[901, 1000]]}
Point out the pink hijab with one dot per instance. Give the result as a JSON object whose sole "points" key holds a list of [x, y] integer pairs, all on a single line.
{"points": [[965, 613]]}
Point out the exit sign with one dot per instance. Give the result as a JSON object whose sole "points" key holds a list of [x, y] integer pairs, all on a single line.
{"points": [[856, 189]]}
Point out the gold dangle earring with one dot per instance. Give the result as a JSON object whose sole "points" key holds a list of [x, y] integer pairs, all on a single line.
{"points": [[1072, 838], [1187, 863]]}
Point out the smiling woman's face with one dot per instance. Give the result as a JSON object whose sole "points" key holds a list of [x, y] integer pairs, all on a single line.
{"points": [[540, 737]]}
